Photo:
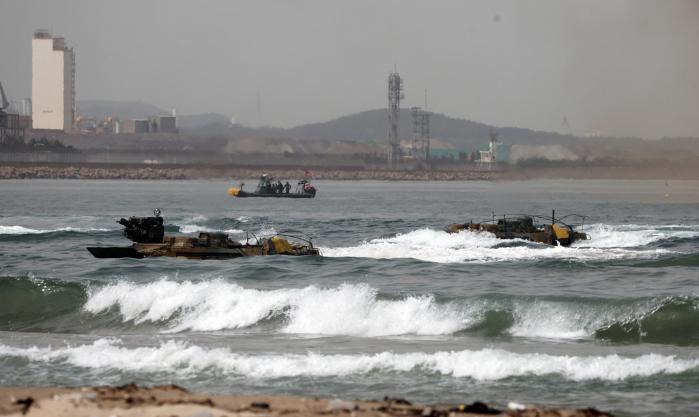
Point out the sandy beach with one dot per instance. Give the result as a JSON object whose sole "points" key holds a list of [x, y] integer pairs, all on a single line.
{"points": [[131, 400]]}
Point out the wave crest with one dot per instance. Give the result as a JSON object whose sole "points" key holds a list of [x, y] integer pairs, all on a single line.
{"points": [[216, 305], [486, 364]]}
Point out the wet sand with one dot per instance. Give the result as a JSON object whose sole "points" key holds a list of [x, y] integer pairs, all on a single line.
{"points": [[131, 400]]}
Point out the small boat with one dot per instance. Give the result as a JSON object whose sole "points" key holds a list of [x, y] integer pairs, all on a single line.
{"points": [[268, 188], [521, 226], [148, 235]]}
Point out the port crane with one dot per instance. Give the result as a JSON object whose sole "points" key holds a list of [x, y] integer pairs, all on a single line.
{"points": [[3, 106]]}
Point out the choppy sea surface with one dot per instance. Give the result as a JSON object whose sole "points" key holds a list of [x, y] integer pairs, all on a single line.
{"points": [[394, 307]]}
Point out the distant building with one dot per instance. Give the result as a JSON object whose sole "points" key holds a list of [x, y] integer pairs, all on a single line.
{"points": [[53, 82], [85, 124], [134, 126], [22, 107], [497, 152], [439, 153], [108, 125], [25, 107], [167, 124], [13, 125]]}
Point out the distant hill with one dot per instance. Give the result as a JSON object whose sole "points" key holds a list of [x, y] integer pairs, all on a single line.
{"points": [[197, 121], [101, 109], [372, 125], [366, 126], [371, 128]]}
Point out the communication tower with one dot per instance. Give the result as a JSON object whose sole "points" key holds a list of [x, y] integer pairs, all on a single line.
{"points": [[395, 94], [421, 134]]}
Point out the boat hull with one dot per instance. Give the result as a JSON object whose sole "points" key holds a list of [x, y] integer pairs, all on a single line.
{"points": [[149, 250], [282, 195], [114, 252]]}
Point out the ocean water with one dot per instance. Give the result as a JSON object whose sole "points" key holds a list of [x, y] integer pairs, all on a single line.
{"points": [[394, 307]]}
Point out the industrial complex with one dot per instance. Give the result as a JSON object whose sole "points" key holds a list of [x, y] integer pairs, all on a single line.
{"points": [[52, 112], [52, 107], [418, 153]]}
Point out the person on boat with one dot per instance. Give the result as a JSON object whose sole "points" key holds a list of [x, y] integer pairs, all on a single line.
{"points": [[280, 187], [287, 187], [264, 184]]}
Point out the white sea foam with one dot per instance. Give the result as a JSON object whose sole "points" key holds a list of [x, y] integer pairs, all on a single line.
{"points": [[195, 228], [214, 305], [197, 218], [194, 225], [266, 231], [21, 230], [633, 235], [356, 310], [479, 247], [486, 364]]}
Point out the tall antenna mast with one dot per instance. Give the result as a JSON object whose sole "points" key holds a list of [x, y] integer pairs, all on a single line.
{"points": [[259, 109], [395, 94], [421, 132]]}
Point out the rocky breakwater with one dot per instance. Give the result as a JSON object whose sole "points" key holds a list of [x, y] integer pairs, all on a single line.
{"points": [[172, 172], [82, 172]]}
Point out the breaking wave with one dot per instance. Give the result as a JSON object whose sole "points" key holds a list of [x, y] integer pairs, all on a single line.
{"points": [[349, 309], [482, 247], [487, 364], [21, 230], [215, 305], [359, 310]]}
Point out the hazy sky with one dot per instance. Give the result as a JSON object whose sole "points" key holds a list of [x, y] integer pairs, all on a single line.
{"points": [[617, 67]]}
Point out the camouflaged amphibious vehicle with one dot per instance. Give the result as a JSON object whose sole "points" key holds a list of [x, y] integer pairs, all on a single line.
{"points": [[148, 235], [521, 226]]}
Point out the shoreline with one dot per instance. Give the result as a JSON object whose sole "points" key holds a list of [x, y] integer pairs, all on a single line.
{"points": [[171, 400], [175, 172], [182, 172]]}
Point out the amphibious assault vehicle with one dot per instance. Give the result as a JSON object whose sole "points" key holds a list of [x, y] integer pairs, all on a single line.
{"points": [[521, 226], [148, 235]]}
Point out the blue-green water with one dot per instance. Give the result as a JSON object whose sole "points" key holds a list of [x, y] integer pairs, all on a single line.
{"points": [[394, 307]]}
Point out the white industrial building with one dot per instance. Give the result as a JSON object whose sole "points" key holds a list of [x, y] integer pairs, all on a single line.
{"points": [[53, 82]]}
